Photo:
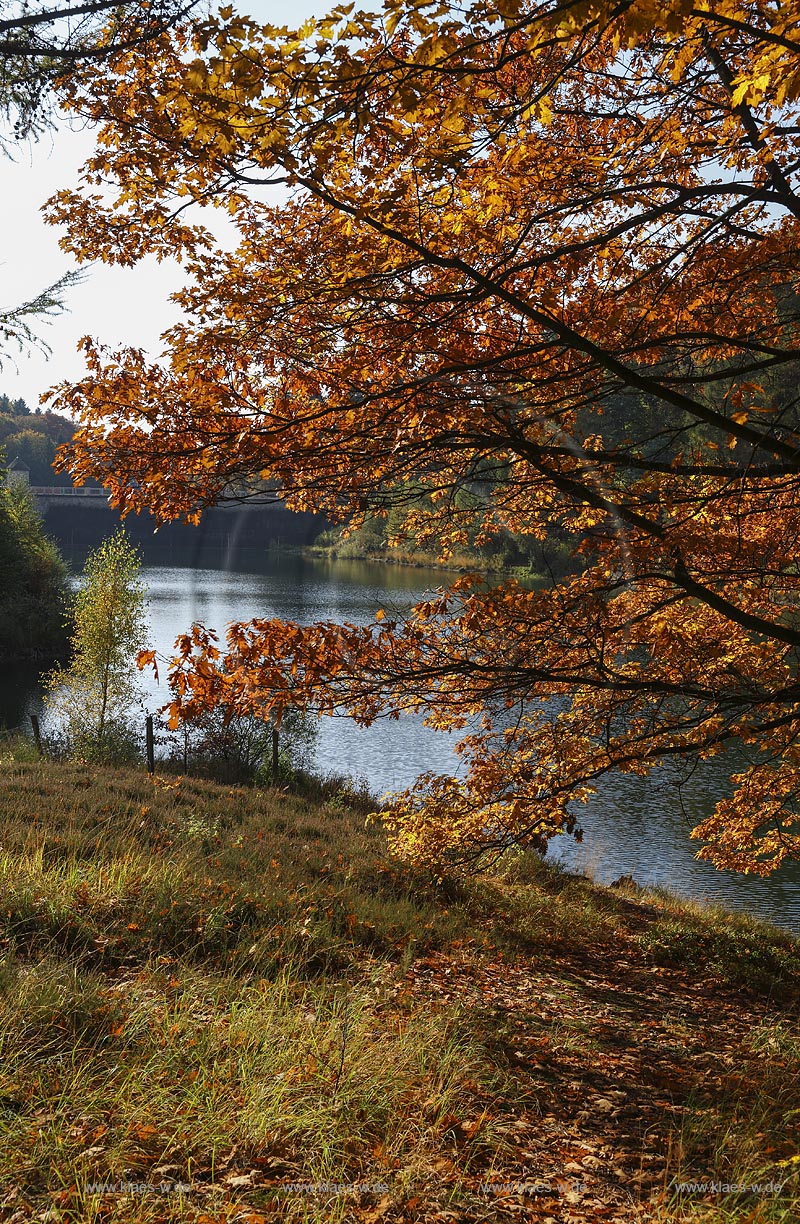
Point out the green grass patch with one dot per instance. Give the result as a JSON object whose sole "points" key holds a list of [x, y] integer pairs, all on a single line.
{"points": [[731, 948]]}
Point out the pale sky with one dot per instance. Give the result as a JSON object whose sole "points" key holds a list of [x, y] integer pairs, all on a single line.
{"points": [[115, 306]]}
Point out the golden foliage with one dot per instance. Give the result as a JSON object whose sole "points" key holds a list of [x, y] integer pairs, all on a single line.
{"points": [[545, 253]]}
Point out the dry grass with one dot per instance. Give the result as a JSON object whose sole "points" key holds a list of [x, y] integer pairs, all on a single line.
{"points": [[210, 997]]}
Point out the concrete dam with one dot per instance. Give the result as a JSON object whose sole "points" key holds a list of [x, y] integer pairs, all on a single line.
{"points": [[231, 535]]}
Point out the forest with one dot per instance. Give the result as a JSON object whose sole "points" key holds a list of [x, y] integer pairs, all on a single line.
{"points": [[34, 438], [33, 584]]}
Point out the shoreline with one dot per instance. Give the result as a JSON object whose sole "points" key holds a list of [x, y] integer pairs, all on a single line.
{"points": [[459, 564]]}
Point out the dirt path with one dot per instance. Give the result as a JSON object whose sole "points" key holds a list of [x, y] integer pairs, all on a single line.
{"points": [[611, 1060]]}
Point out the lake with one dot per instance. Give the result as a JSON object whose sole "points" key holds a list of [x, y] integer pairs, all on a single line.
{"points": [[634, 826]]}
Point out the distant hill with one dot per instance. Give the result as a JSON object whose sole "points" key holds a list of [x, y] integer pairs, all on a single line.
{"points": [[33, 438]]}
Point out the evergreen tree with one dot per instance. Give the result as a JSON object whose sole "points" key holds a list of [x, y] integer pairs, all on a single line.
{"points": [[33, 583], [43, 46]]}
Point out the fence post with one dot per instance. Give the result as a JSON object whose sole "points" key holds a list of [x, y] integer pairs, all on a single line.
{"points": [[37, 735], [151, 761], [274, 755]]}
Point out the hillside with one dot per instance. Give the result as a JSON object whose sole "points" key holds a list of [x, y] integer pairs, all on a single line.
{"points": [[34, 439], [228, 1005]]}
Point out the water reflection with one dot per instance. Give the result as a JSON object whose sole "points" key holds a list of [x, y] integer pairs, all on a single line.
{"points": [[388, 755], [640, 827]]}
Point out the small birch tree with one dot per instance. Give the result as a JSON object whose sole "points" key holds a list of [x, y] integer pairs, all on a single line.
{"points": [[94, 698]]}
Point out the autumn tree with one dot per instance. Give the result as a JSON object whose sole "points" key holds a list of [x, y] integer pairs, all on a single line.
{"points": [[553, 242], [92, 701], [41, 42]]}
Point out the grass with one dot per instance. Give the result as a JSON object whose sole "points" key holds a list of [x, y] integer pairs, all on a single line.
{"points": [[214, 998], [734, 948]]}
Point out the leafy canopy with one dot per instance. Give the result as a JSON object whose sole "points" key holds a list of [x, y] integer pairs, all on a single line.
{"points": [[544, 253]]}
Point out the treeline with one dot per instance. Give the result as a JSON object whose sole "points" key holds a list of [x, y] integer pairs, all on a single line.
{"points": [[617, 422], [33, 575], [33, 438], [401, 535]]}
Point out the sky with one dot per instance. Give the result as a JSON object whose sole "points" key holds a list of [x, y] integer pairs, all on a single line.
{"points": [[116, 306]]}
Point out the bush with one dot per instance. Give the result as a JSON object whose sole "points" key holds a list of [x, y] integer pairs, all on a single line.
{"points": [[238, 748]]}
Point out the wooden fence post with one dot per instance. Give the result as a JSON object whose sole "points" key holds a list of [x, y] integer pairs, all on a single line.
{"points": [[151, 760], [37, 735]]}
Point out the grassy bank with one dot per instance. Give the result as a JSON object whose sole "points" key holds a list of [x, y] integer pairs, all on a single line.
{"points": [[229, 1005]]}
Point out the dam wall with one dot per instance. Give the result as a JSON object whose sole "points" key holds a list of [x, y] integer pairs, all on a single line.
{"points": [[230, 536]]}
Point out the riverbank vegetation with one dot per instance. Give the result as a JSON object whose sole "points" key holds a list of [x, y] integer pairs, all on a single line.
{"points": [[370, 542], [33, 584], [213, 997], [394, 538]]}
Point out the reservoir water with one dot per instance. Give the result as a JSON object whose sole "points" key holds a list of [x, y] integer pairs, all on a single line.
{"points": [[634, 826]]}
